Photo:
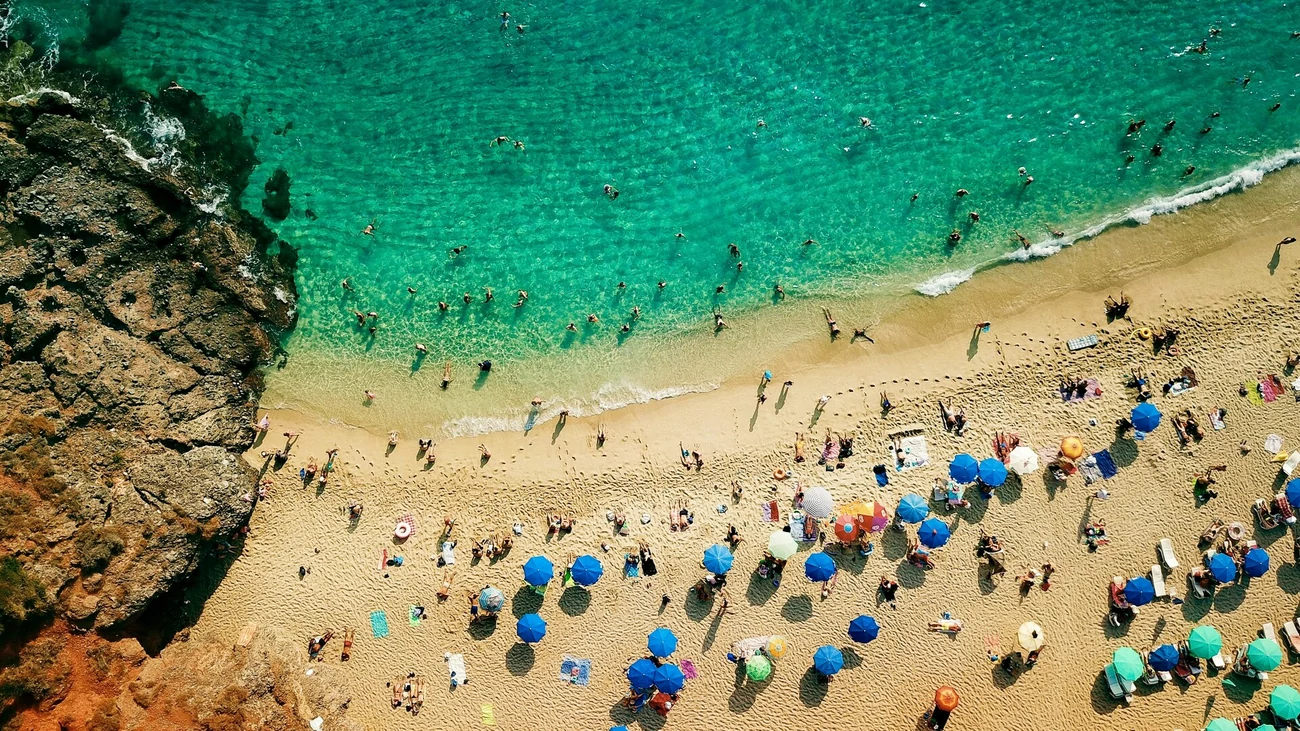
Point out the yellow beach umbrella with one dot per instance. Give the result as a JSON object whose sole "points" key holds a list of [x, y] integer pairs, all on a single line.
{"points": [[1072, 447], [777, 647]]}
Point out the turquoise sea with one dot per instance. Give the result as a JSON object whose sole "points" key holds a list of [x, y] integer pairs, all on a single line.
{"points": [[385, 110]]}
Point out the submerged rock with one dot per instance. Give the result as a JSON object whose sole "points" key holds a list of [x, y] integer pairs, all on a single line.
{"points": [[276, 201]]}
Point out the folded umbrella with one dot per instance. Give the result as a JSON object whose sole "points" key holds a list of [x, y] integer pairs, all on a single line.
{"points": [[717, 559], [538, 571], [1163, 658], [662, 643], [828, 660], [933, 533], [819, 566], [669, 678], [1139, 591], [863, 629], [1256, 562], [912, 508], [1145, 417], [992, 472], [641, 674], [531, 628], [963, 468], [1222, 568], [586, 570]]}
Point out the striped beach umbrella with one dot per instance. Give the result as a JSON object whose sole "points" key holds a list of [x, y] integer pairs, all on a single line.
{"points": [[491, 599], [818, 503]]}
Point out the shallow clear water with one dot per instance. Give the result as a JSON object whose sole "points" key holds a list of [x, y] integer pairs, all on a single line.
{"points": [[393, 104]]}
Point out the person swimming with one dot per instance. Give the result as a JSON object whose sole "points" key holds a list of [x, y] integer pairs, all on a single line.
{"points": [[487, 295], [519, 144], [443, 306], [779, 291], [962, 192], [662, 284], [611, 191], [457, 251], [571, 327], [809, 242], [369, 230], [485, 366], [592, 318], [347, 284], [636, 312], [1157, 150], [720, 289], [864, 121], [499, 140], [735, 250], [410, 290], [1189, 170], [1169, 126], [467, 297], [681, 235], [523, 297], [954, 237], [974, 217]]}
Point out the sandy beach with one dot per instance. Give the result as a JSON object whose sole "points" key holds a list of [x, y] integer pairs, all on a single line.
{"points": [[1212, 271]]}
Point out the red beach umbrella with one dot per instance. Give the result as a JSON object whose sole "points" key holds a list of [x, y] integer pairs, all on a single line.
{"points": [[846, 528]]}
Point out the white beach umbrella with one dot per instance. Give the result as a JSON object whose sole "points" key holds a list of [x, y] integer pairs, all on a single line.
{"points": [[1022, 461], [1031, 636], [817, 502], [782, 545]]}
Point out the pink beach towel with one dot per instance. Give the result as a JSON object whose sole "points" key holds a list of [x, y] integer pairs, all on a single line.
{"points": [[1268, 391], [688, 670]]}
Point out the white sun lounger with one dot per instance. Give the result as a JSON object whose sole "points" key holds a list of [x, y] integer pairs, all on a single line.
{"points": [[1158, 580], [1167, 553], [1292, 635], [1218, 661], [1269, 633]]}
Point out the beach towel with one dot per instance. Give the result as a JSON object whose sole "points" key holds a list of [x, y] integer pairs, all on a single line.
{"points": [[487, 714], [456, 669], [409, 522], [379, 624], [575, 670], [771, 512], [1268, 391], [630, 569], [1091, 472], [1087, 341], [1254, 396], [882, 475], [1216, 421], [1069, 395], [915, 453], [449, 552], [414, 615], [828, 452], [1273, 443], [796, 526], [1106, 463], [688, 669]]}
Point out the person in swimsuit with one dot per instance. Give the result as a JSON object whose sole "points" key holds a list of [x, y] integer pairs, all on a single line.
{"points": [[830, 322]]}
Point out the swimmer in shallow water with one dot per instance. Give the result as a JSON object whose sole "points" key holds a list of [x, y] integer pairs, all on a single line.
{"points": [[457, 251], [662, 284], [611, 191], [347, 284], [571, 327], [779, 291], [809, 242], [443, 306], [954, 237], [523, 297], [369, 230], [864, 121], [498, 141]]}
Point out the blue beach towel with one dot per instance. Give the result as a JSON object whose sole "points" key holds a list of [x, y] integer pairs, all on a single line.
{"points": [[379, 624], [1106, 464], [575, 671], [630, 569]]}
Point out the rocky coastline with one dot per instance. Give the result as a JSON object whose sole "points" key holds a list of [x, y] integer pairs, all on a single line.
{"points": [[137, 307]]}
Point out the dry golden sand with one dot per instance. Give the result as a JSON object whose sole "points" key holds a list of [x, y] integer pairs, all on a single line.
{"points": [[1208, 271]]}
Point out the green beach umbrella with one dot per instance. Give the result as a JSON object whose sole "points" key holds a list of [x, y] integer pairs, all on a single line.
{"points": [[1285, 702], [1128, 663], [1205, 642], [1221, 724], [1266, 727], [1264, 654], [758, 668]]}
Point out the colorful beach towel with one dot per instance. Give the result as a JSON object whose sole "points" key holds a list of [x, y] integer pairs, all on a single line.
{"points": [[688, 669], [771, 512], [414, 614], [1070, 396], [575, 670], [1106, 463], [916, 453], [379, 624], [1254, 395], [630, 569], [1089, 469], [1268, 391]]}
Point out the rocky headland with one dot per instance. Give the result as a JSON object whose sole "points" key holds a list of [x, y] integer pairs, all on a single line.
{"points": [[137, 306]]}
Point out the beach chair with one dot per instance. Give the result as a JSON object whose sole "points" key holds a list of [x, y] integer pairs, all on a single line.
{"points": [[1218, 661], [1198, 590], [1120, 689], [1158, 581], [1267, 632], [1264, 516], [1167, 554], [1291, 636]]}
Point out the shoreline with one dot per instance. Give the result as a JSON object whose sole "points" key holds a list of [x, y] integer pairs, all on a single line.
{"points": [[1236, 318], [787, 336]]}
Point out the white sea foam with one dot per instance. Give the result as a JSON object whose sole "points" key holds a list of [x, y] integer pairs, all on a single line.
{"points": [[36, 93], [607, 398], [944, 283], [1239, 179]]}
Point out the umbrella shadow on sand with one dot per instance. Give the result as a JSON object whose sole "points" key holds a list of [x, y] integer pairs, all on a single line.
{"points": [[909, 576], [1288, 578], [697, 610], [525, 601], [812, 691], [1102, 703], [482, 629], [1229, 597], [1123, 451], [760, 590], [574, 601], [798, 608], [520, 658]]}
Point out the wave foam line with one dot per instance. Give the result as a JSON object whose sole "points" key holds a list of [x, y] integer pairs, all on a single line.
{"points": [[1239, 179], [607, 398]]}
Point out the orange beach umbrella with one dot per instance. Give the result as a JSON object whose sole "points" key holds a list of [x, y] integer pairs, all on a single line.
{"points": [[1072, 447], [846, 528], [871, 516], [945, 698]]}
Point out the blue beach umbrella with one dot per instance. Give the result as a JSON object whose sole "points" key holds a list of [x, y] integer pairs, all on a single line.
{"points": [[491, 599], [1145, 417], [531, 628], [1222, 568], [933, 533], [992, 472], [586, 570], [1293, 492], [662, 643], [819, 567], [618, 728], [1163, 658], [828, 660], [1256, 563], [641, 674], [669, 678], [1139, 591], [963, 468], [912, 508], [863, 629], [717, 559], [538, 571]]}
